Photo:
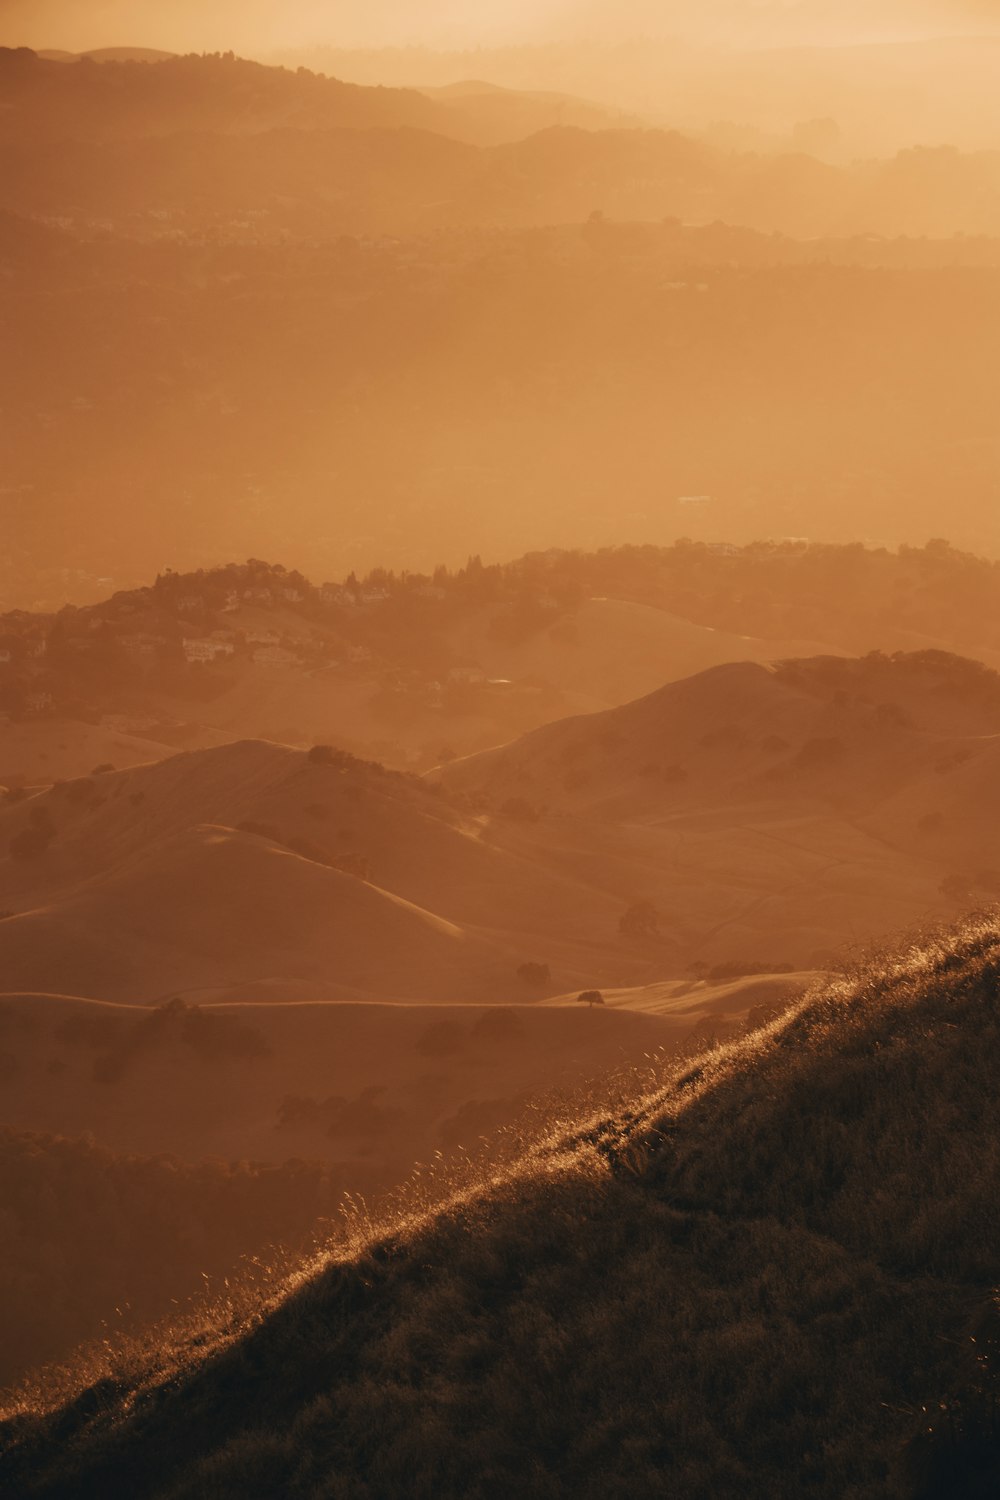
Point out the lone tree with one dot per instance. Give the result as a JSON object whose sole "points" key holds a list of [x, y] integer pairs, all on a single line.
{"points": [[641, 919], [532, 973], [590, 997]]}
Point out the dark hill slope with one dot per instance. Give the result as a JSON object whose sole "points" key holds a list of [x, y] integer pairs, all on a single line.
{"points": [[749, 1285], [129, 97]]}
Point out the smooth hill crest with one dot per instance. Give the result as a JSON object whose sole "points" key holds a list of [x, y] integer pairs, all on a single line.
{"points": [[753, 814], [796, 1234], [853, 729], [267, 859]]}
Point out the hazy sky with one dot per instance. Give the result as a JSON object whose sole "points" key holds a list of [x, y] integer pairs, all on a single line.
{"points": [[257, 26]]}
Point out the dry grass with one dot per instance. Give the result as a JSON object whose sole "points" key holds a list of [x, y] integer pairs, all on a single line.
{"points": [[752, 1281]]}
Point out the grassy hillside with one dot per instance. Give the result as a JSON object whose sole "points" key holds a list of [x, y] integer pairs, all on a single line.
{"points": [[755, 1281], [144, 1151], [92, 1241]]}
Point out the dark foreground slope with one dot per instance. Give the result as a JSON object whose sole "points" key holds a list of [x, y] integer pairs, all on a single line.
{"points": [[750, 1285]]}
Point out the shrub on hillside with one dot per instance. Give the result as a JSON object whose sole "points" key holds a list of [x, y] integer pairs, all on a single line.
{"points": [[498, 1024], [328, 755], [641, 919], [120, 1041]]}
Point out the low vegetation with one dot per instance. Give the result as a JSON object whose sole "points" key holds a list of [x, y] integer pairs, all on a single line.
{"points": [[761, 1279], [94, 1243]]}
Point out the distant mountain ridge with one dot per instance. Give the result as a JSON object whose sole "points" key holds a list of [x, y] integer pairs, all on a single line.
{"points": [[531, 160], [139, 91], [108, 54]]}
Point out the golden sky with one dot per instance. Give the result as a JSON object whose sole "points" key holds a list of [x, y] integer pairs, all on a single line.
{"points": [[256, 27]]}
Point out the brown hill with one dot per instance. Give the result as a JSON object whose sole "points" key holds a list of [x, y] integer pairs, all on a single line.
{"points": [[129, 96], [743, 810], [605, 651], [836, 729], [491, 115], [211, 907], [742, 816], [373, 1087], [222, 868], [36, 751]]}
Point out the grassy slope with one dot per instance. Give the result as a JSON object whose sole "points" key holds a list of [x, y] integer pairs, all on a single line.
{"points": [[747, 1286]]}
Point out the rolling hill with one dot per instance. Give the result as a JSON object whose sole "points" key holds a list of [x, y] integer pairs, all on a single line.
{"points": [[749, 815], [770, 1277], [222, 868], [139, 91], [375, 1087], [146, 96], [846, 731], [35, 752]]}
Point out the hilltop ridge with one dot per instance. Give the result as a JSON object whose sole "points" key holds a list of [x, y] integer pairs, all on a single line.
{"points": [[782, 1250]]}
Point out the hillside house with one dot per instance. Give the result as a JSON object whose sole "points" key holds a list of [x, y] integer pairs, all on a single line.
{"points": [[140, 645], [335, 593], [206, 650]]}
